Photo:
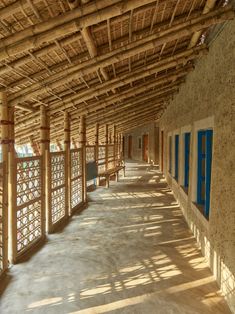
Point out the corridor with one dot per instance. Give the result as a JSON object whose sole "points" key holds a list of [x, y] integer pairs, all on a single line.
{"points": [[130, 251]]}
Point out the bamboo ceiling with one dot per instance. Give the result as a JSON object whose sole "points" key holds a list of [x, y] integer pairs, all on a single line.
{"points": [[117, 62]]}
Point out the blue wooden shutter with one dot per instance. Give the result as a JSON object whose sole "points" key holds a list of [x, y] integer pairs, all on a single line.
{"points": [[200, 176], [176, 157], [186, 159]]}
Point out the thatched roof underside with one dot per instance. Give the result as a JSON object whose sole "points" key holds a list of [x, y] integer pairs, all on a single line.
{"points": [[117, 62]]}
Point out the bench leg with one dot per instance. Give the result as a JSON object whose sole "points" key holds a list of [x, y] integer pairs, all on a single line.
{"points": [[124, 172], [117, 176], [98, 181]]}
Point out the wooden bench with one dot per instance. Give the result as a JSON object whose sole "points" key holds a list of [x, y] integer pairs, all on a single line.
{"points": [[108, 173]]}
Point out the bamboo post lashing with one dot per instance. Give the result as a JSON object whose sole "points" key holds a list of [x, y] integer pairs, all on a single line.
{"points": [[67, 163], [5, 147], [45, 153], [82, 142], [12, 197]]}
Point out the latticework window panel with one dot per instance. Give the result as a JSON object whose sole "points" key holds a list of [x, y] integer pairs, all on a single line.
{"points": [[90, 154], [101, 158], [58, 189], [110, 156], [28, 202], [76, 178]]}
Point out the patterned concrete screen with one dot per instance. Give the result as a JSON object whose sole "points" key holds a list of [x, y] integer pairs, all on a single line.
{"points": [[101, 158], [57, 189], [28, 204], [76, 178]]}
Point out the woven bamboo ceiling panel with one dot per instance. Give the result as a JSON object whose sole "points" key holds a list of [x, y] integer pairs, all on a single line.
{"points": [[116, 61]]}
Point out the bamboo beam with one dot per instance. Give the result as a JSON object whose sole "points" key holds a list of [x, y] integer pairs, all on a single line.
{"points": [[149, 42], [70, 22], [89, 41], [76, 59], [210, 4], [134, 99], [162, 95], [134, 122], [75, 37], [125, 79], [164, 64], [139, 112]]}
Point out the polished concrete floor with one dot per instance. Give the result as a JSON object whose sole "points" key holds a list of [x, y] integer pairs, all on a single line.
{"points": [[130, 251]]}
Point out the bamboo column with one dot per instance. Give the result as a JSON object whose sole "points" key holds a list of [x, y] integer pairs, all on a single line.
{"points": [[82, 142], [120, 147], [12, 190], [110, 136], [106, 135], [4, 144], [96, 142], [67, 163], [97, 150], [114, 145], [45, 153]]}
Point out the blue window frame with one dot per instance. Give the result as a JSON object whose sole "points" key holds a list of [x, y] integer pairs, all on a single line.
{"points": [[205, 139], [186, 158], [176, 157], [170, 155]]}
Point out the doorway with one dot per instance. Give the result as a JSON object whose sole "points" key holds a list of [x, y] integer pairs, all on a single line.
{"points": [[130, 147], [145, 147]]}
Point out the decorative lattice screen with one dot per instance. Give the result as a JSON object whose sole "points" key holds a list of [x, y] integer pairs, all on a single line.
{"points": [[76, 178], [101, 158], [110, 156], [1, 219], [90, 154], [58, 187], [28, 202]]}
